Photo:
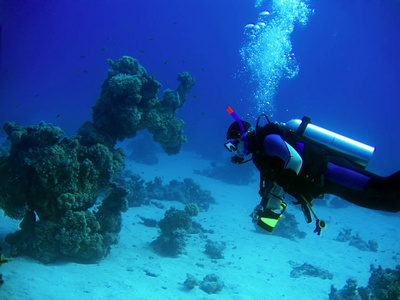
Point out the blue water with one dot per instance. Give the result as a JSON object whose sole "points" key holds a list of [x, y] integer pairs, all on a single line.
{"points": [[53, 63], [336, 61]]}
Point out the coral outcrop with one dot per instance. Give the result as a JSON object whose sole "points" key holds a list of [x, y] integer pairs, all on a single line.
{"points": [[356, 241], [306, 269], [214, 249], [187, 192], [175, 226], [211, 283], [384, 284], [53, 183], [63, 188], [128, 103]]}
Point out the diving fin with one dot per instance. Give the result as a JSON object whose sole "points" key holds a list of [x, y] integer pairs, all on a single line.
{"points": [[267, 219]]}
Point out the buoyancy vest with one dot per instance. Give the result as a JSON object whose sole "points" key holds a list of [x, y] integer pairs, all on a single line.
{"points": [[315, 158]]}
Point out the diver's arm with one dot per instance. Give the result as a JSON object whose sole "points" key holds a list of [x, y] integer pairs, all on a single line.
{"points": [[274, 145]]}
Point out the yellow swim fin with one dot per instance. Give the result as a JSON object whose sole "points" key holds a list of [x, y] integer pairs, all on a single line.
{"points": [[268, 219]]}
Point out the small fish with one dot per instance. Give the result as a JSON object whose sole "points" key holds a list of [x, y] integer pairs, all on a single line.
{"points": [[195, 96], [103, 49], [59, 115], [166, 61], [174, 23], [142, 51], [85, 71], [202, 68], [151, 39], [202, 112], [128, 30], [15, 105], [107, 37], [82, 56], [36, 95], [183, 60]]}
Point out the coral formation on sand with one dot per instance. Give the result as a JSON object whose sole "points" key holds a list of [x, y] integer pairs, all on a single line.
{"points": [[175, 226], [306, 269], [62, 187], [128, 103], [53, 183], [356, 241], [186, 192], [214, 249], [190, 282], [211, 283], [383, 284]]}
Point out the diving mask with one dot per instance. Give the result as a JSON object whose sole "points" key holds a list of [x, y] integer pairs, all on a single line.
{"points": [[236, 146]]}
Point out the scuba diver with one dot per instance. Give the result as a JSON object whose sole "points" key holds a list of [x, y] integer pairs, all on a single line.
{"points": [[307, 162]]}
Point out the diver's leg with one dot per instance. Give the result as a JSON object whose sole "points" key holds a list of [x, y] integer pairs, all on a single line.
{"points": [[384, 185], [364, 188]]}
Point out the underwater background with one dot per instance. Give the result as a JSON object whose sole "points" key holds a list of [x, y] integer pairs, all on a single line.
{"points": [[53, 63], [336, 61]]}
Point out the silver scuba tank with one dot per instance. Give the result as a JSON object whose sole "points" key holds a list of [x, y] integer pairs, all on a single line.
{"points": [[359, 153]]}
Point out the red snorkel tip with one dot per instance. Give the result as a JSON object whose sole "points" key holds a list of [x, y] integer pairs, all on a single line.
{"points": [[242, 131]]}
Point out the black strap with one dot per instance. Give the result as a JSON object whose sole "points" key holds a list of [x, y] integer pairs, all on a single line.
{"points": [[304, 122]]}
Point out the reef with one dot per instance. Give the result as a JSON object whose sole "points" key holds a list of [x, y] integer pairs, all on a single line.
{"points": [[384, 284], [135, 186], [229, 173], [349, 292], [63, 188], [308, 270], [211, 283], [175, 226], [190, 282], [52, 184], [128, 103], [356, 241], [215, 250], [186, 191]]}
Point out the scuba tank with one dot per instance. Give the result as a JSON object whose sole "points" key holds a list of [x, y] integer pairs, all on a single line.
{"points": [[357, 152]]}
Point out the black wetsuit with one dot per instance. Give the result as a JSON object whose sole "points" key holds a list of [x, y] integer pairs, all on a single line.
{"points": [[323, 171]]}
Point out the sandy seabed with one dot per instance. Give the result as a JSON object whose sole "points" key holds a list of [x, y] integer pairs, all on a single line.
{"points": [[256, 265]]}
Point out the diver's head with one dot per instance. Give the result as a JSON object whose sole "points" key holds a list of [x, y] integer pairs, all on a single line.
{"points": [[237, 138], [234, 131]]}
